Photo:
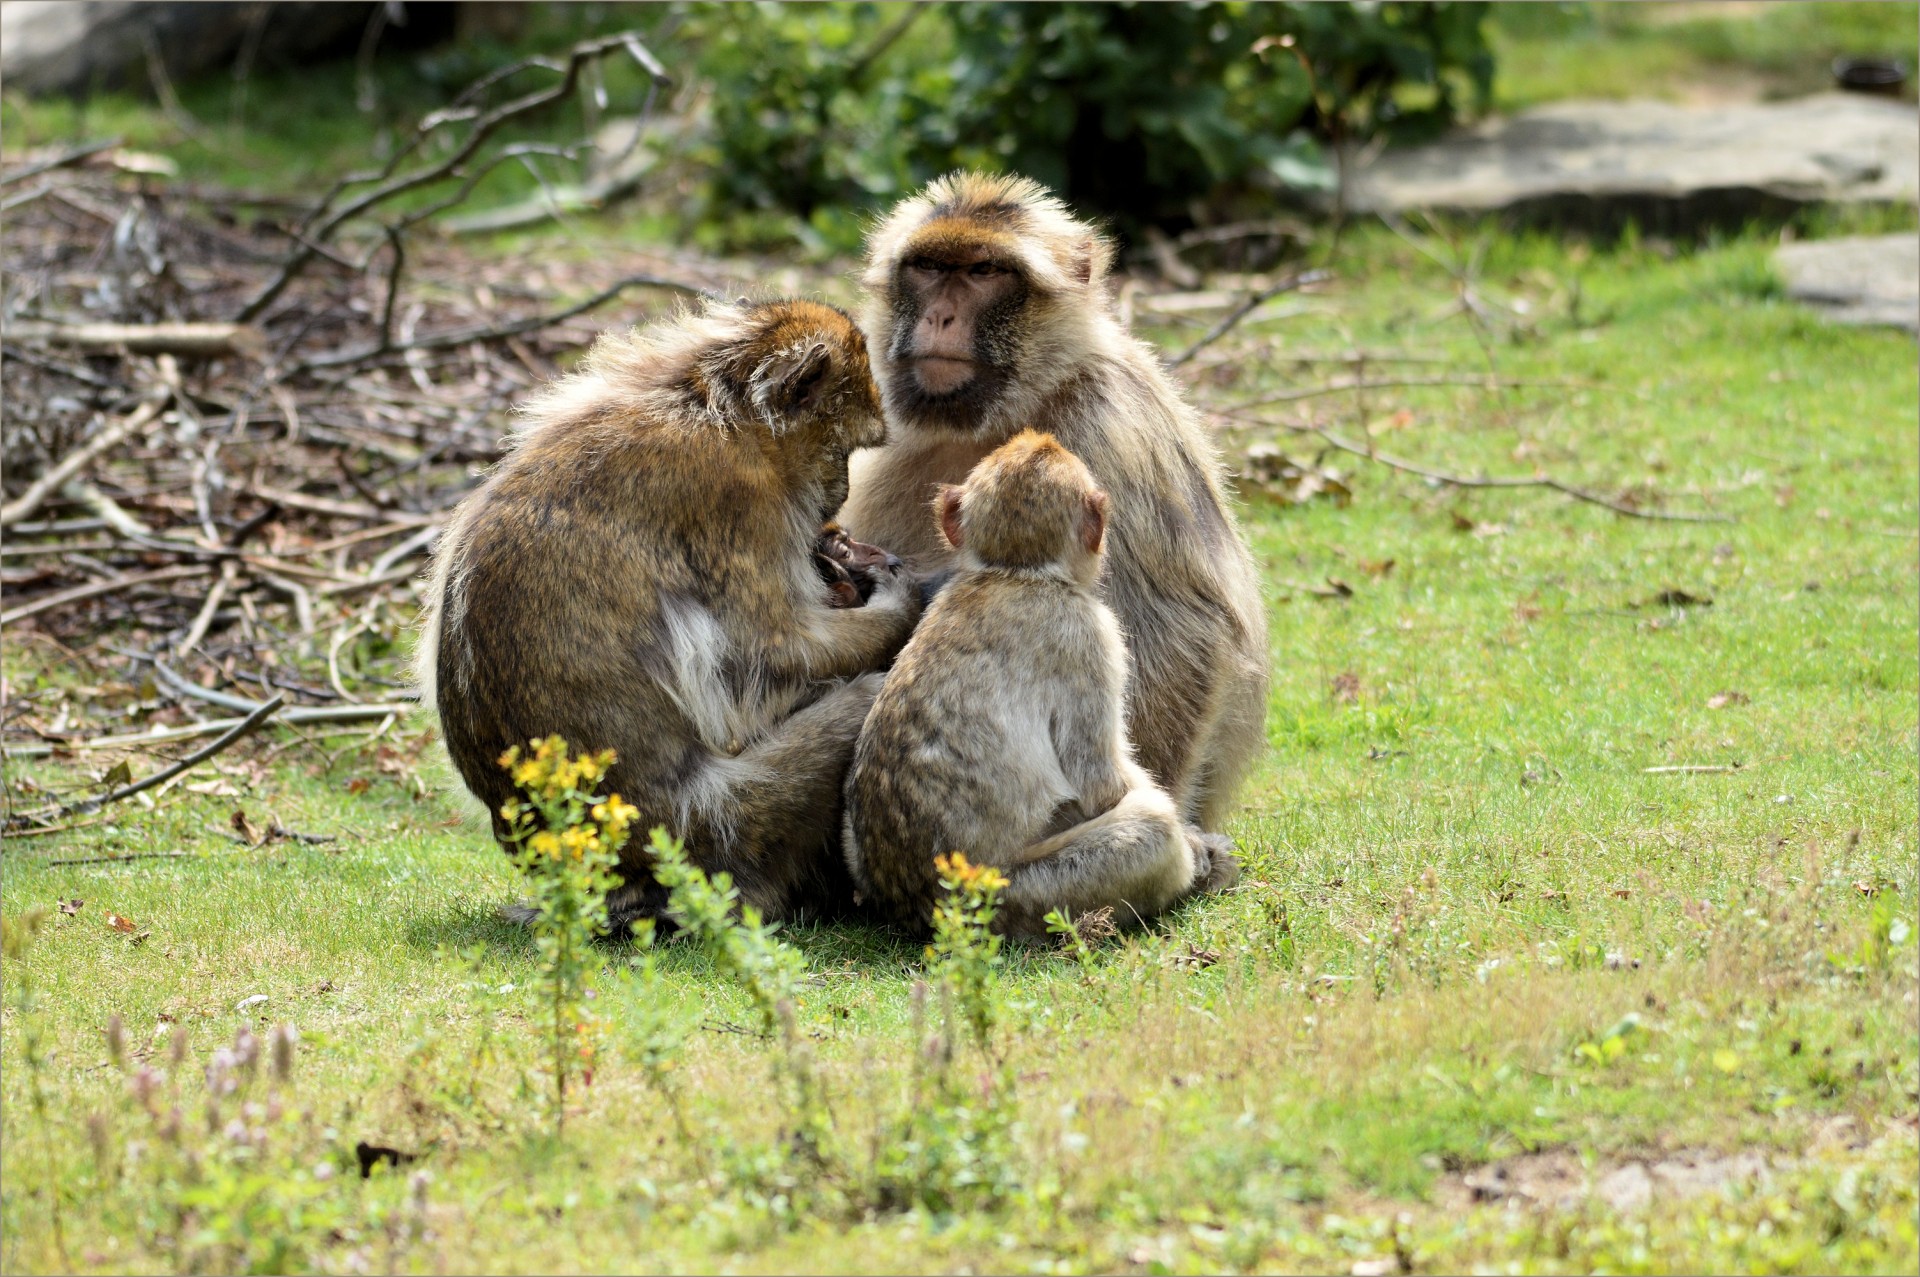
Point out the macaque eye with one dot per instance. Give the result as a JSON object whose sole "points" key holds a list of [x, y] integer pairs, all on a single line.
{"points": [[984, 269]]}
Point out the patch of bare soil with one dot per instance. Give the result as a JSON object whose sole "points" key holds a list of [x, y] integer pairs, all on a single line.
{"points": [[1560, 1179]]}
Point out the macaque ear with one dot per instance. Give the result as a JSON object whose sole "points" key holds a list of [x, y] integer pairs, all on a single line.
{"points": [[789, 381], [1090, 259], [1093, 521], [946, 512]]}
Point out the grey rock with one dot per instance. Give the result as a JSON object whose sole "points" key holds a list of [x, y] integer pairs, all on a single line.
{"points": [[1670, 168], [74, 46], [1862, 279]]}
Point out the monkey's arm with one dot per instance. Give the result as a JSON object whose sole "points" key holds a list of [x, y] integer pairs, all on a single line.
{"points": [[841, 642]]}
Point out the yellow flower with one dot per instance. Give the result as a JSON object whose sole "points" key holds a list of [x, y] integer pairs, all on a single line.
{"points": [[546, 844], [615, 815]]}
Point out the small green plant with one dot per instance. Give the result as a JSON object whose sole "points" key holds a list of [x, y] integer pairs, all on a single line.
{"points": [[1059, 924], [655, 1035], [569, 841], [1889, 929], [744, 946], [17, 935], [1612, 1045], [953, 1148]]}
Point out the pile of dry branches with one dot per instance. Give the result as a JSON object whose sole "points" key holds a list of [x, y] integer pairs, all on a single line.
{"points": [[234, 425]]}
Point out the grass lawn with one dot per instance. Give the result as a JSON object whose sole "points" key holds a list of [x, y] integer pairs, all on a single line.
{"points": [[1486, 971]]}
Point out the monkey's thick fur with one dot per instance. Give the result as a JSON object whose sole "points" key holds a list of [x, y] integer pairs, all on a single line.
{"points": [[1050, 352], [638, 574], [999, 733]]}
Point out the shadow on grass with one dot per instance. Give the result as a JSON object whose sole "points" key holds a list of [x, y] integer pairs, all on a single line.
{"points": [[841, 943], [470, 922]]}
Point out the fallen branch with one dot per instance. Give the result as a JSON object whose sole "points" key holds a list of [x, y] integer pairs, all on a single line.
{"points": [[326, 218], [1499, 481], [1489, 382], [86, 150], [292, 717], [1253, 303], [493, 332], [146, 339], [114, 860], [85, 455], [60, 598], [1693, 769], [243, 728]]}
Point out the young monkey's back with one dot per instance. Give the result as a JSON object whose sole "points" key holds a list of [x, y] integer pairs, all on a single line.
{"points": [[999, 732]]}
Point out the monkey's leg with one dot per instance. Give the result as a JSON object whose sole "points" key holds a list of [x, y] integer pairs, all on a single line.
{"points": [[775, 809], [1135, 857]]}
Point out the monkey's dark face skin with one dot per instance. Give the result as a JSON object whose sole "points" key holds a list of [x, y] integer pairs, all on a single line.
{"points": [[955, 344]]}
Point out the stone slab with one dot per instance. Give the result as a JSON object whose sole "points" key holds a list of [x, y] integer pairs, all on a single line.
{"points": [[1668, 167], [1864, 279]]}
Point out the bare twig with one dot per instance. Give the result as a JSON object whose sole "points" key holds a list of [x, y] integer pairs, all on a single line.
{"points": [[1451, 479], [466, 336], [302, 716], [60, 598], [244, 727], [73, 155], [1253, 303], [114, 860], [389, 182], [85, 455], [145, 339], [1510, 481], [1693, 769]]}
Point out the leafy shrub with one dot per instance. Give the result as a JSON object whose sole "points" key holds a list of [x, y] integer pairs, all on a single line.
{"points": [[1144, 113]]}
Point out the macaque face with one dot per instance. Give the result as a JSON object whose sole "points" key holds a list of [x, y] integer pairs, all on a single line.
{"points": [[956, 312]]}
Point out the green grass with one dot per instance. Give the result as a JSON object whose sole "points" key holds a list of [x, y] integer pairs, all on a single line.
{"points": [[1459, 874], [1697, 52]]}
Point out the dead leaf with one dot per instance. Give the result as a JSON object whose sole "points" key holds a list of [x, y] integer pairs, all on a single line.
{"points": [[1868, 889], [1195, 958], [218, 787], [1720, 700], [1622, 893], [1525, 612], [1461, 523], [1376, 567], [1679, 598], [71, 907], [121, 773], [118, 923], [140, 937], [359, 785], [246, 828], [1274, 475], [1346, 687]]}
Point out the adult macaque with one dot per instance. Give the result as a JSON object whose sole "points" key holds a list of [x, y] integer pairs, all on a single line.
{"points": [[999, 733], [639, 574], [988, 311]]}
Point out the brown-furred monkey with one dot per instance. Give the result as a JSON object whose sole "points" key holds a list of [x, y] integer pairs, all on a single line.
{"points": [[988, 311], [639, 574], [999, 733]]}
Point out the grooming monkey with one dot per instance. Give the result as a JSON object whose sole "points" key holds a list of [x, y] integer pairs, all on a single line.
{"points": [[987, 309], [1000, 733], [639, 574]]}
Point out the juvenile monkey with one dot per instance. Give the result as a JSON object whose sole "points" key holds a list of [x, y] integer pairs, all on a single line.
{"points": [[848, 568], [999, 732], [639, 574], [988, 309]]}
